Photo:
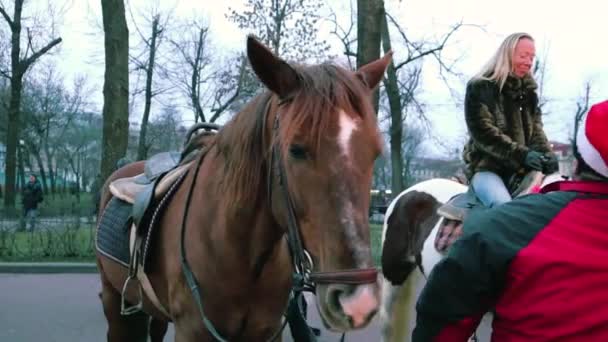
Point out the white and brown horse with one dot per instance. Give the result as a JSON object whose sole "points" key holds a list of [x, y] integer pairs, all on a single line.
{"points": [[409, 250]]}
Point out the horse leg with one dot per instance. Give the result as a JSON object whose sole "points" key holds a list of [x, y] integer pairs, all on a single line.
{"points": [[158, 329], [131, 328], [398, 313]]}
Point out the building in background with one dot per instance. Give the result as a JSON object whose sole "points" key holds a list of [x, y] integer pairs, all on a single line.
{"points": [[427, 168], [422, 169]]}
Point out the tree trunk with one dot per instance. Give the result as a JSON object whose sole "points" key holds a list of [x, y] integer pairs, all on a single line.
{"points": [[12, 140], [52, 173], [19, 67], [77, 176], [195, 86], [142, 149], [370, 14], [396, 129], [43, 178], [116, 86]]}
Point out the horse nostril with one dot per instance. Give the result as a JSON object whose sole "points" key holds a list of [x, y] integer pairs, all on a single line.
{"points": [[334, 293], [351, 306]]}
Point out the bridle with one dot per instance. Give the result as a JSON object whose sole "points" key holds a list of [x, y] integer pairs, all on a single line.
{"points": [[302, 261], [304, 277]]}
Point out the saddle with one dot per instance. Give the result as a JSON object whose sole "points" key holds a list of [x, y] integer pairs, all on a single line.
{"points": [[455, 211], [160, 172], [148, 193]]}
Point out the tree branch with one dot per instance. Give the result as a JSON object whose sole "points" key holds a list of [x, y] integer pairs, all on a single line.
{"points": [[344, 34], [582, 105], [223, 107], [7, 18], [31, 59], [427, 52], [5, 73]]}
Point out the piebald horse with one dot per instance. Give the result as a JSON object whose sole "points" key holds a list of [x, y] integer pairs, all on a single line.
{"points": [[409, 252]]}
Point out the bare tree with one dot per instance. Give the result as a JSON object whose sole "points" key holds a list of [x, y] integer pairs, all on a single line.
{"points": [[582, 106], [234, 86], [21, 61], [418, 49], [49, 110], [148, 66], [346, 34], [166, 133], [410, 149], [191, 71], [289, 27], [403, 78], [382, 173], [80, 140], [541, 75], [210, 92], [116, 85]]}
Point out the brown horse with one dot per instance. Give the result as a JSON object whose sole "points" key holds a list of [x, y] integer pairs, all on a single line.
{"points": [[283, 189]]}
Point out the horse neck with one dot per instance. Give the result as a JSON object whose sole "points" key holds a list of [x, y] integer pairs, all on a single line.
{"points": [[242, 237], [237, 255]]}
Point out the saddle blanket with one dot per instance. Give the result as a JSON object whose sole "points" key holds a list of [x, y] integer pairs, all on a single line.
{"points": [[113, 231]]}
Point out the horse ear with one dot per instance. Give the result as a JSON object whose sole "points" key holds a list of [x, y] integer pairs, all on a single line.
{"points": [[371, 74], [276, 74]]}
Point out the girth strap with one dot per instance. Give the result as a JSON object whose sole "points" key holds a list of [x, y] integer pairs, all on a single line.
{"points": [[149, 291], [136, 241]]}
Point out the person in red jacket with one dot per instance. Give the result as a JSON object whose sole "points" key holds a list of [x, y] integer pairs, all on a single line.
{"points": [[539, 262]]}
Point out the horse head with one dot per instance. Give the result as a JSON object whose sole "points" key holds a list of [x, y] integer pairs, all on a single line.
{"points": [[322, 139]]}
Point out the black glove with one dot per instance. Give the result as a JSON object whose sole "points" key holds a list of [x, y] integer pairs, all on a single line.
{"points": [[534, 160], [550, 165]]}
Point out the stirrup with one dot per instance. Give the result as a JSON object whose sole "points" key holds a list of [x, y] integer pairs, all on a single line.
{"points": [[129, 310]]}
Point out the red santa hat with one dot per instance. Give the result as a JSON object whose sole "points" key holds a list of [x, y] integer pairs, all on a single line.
{"points": [[592, 138]]}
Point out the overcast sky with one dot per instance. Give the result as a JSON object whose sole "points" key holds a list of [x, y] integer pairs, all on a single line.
{"points": [[570, 35]]}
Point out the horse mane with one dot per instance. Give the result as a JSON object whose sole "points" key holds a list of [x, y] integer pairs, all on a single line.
{"points": [[305, 117]]}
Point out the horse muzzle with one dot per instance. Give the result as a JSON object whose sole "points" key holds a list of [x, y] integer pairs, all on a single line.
{"points": [[348, 303]]}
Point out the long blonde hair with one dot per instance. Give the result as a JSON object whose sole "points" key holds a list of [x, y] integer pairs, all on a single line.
{"points": [[497, 69]]}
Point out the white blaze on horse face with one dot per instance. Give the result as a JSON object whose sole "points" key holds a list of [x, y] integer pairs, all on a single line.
{"points": [[347, 125]]}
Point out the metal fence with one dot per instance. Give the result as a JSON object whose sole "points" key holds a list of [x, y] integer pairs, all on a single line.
{"points": [[60, 238]]}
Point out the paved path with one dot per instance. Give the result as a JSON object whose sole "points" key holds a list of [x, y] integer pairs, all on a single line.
{"points": [[65, 308]]}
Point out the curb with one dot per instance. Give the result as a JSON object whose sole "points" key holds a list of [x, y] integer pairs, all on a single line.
{"points": [[47, 267]]}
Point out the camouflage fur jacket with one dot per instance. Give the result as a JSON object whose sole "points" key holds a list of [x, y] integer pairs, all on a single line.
{"points": [[503, 126]]}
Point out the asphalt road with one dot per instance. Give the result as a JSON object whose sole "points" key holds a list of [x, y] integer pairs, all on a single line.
{"points": [[65, 308]]}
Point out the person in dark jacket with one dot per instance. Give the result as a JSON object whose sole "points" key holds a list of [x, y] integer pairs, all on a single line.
{"points": [[504, 122], [32, 196], [542, 268]]}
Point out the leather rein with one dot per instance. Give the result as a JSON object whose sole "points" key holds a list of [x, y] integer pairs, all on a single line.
{"points": [[304, 278]]}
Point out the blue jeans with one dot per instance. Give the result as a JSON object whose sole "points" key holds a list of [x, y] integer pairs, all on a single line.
{"points": [[30, 219], [490, 189]]}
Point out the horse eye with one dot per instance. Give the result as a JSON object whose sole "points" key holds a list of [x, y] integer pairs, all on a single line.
{"points": [[298, 152]]}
